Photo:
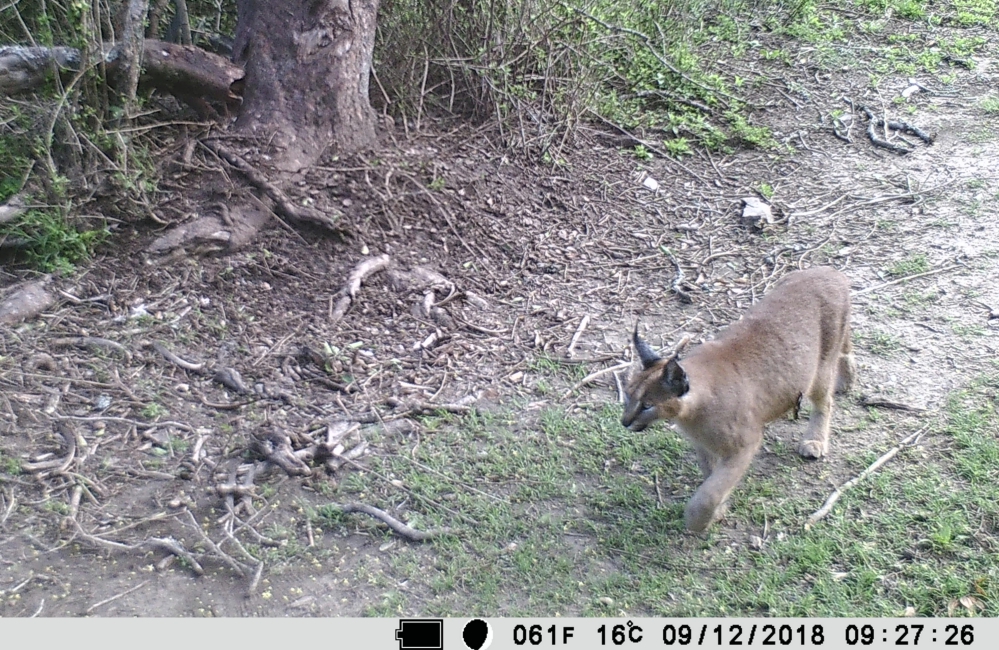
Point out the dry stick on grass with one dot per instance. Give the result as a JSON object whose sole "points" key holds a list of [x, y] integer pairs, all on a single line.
{"points": [[414, 494], [402, 529], [878, 287], [353, 285], [135, 423], [826, 508], [285, 205], [648, 145], [595, 375]]}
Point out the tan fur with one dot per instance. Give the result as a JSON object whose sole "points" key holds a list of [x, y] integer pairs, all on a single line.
{"points": [[794, 342]]}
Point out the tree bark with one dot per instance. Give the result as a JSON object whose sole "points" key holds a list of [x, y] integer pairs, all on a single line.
{"points": [[133, 35], [307, 69]]}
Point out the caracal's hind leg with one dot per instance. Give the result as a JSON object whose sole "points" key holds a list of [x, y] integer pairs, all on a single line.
{"points": [[846, 373], [815, 442]]}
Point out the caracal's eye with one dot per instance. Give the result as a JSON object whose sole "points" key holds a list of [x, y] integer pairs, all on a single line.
{"points": [[646, 406]]}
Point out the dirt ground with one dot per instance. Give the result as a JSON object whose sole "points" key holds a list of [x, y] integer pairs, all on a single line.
{"points": [[124, 452]]}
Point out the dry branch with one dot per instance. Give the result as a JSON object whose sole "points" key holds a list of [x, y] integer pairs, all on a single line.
{"points": [[167, 544], [190, 73], [885, 404], [177, 361], [874, 122], [117, 596], [353, 284], [678, 281], [575, 337], [58, 464], [402, 529], [275, 445], [878, 287], [826, 508], [91, 341], [594, 375], [239, 567]]}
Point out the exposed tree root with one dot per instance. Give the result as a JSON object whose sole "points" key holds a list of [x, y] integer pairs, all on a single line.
{"points": [[286, 207]]}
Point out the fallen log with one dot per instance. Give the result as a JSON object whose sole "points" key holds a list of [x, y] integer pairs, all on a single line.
{"points": [[187, 72], [24, 68]]}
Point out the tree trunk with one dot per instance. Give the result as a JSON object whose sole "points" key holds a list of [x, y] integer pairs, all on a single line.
{"points": [[132, 37], [307, 69]]}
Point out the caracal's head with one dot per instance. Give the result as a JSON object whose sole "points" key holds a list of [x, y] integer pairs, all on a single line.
{"points": [[655, 390]]}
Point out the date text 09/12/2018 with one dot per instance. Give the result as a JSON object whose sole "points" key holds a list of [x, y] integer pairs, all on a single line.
{"points": [[767, 634]]}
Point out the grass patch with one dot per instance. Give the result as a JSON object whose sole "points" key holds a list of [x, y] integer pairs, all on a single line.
{"points": [[45, 240], [911, 265], [883, 344], [570, 508], [990, 105]]}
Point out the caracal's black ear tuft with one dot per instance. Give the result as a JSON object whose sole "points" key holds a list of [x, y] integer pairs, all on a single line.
{"points": [[645, 353], [674, 378]]}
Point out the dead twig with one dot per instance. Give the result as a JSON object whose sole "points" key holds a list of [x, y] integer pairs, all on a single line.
{"points": [[885, 404], [117, 596], [826, 508], [575, 337], [240, 568], [594, 375], [177, 361], [878, 287], [677, 285], [400, 528], [91, 341], [353, 284], [58, 464], [167, 544], [874, 122]]}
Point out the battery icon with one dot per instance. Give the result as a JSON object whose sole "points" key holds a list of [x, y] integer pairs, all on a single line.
{"points": [[420, 634]]}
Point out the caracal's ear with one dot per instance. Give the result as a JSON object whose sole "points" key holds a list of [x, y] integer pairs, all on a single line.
{"points": [[674, 378], [645, 353]]}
